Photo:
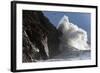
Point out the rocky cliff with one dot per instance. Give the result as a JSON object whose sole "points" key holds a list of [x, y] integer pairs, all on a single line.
{"points": [[40, 37]]}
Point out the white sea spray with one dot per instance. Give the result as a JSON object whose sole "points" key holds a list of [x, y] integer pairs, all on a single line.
{"points": [[72, 35]]}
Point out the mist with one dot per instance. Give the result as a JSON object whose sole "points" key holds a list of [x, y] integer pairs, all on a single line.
{"points": [[73, 37]]}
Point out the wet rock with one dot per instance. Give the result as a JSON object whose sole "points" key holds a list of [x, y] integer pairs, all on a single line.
{"points": [[40, 37]]}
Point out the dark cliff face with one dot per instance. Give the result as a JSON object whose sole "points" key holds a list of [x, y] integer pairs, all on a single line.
{"points": [[40, 37]]}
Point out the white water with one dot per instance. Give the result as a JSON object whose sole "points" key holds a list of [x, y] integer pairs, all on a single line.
{"points": [[44, 42], [72, 35]]}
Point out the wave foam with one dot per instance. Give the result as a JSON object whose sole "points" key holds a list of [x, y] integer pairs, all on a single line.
{"points": [[72, 35]]}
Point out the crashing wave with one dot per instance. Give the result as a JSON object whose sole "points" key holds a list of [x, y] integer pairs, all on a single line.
{"points": [[72, 35]]}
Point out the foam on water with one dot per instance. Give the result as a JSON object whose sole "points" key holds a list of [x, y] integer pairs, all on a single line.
{"points": [[72, 35]]}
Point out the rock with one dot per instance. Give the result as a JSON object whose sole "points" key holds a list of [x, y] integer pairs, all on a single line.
{"points": [[40, 37]]}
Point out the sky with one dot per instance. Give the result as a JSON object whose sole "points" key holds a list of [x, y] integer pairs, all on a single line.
{"points": [[82, 20]]}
